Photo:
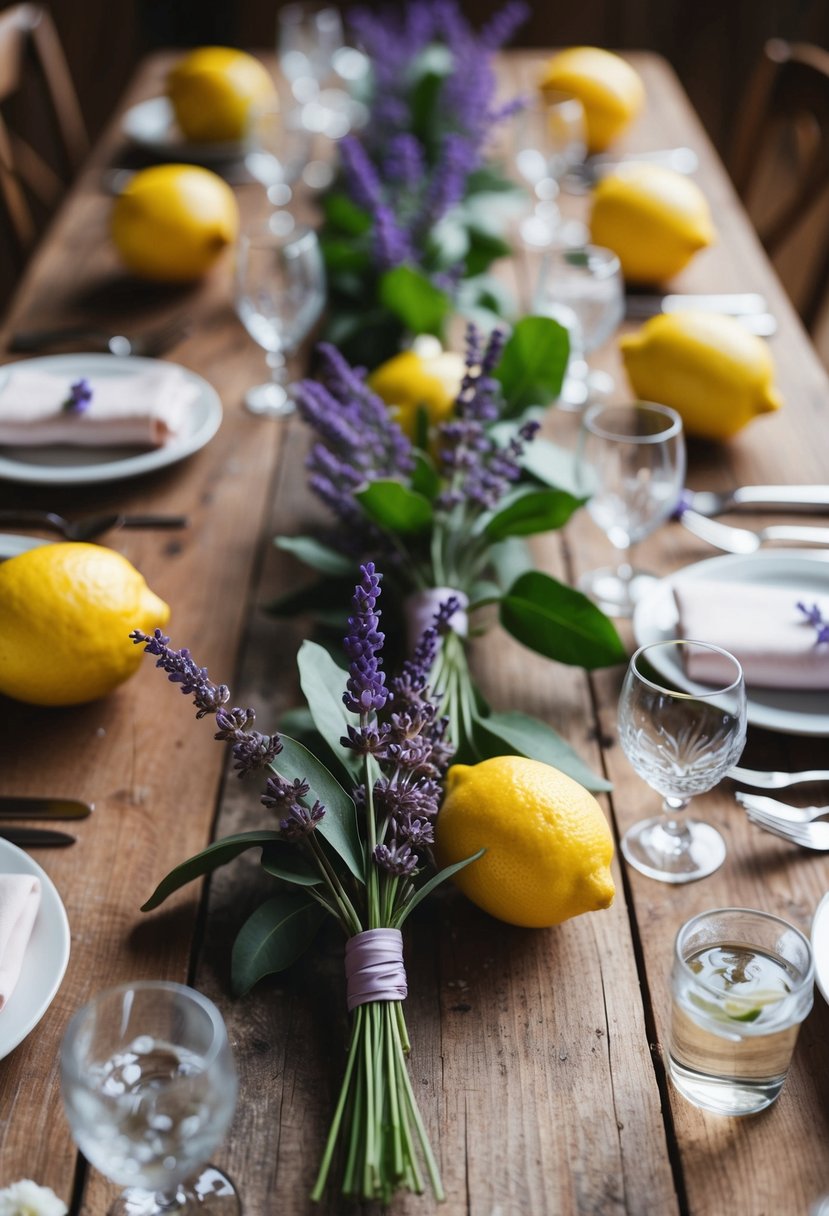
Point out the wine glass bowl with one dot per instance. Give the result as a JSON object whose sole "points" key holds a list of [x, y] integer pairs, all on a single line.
{"points": [[550, 141], [682, 743]]}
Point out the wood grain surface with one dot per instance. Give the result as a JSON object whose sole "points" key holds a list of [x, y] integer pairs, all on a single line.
{"points": [[537, 1055]]}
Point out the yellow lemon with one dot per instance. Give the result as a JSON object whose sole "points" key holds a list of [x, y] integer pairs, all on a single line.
{"points": [[214, 90], [426, 377], [653, 218], [66, 612], [610, 90], [548, 844], [172, 222], [709, 368]]}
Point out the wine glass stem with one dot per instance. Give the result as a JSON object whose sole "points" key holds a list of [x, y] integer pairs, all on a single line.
{"points": [[624, 570], [672, 808], [279, 368], [167, 1203]]}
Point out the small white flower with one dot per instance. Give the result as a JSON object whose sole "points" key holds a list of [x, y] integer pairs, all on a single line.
{"points": [[26, 1198]]}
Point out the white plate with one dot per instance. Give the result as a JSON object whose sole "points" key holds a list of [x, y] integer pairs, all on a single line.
{"points": [[655, 620], [820, 946], [68, 465], [46, 955], [152, 126]]}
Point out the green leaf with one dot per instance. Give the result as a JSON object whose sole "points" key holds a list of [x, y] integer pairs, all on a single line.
{"points": [[533, 364], [323, 685], [530, 511], [395, 507], [509, 559], [433, 882], [526, 736], [343, 257], [345, 215], [339, 823], [217, 854], [490, 178], [285, 860], [448, 243], [317, 555], [553, 466], [560, 622], [425, 477], [277, 933], [484, 249], [420, 305]]}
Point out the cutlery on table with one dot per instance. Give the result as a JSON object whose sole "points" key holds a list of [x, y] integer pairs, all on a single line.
{"points": [[807, 835], [89, 526], [776, 780], [734, 304], [152, 342], [36, 838], [681, 160], [12, 807], [780, 810], [743, 540], [759, 498]]}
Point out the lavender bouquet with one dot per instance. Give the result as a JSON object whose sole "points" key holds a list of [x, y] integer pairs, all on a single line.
{"points": [[417, 214], [448, 519], [361, 854]]}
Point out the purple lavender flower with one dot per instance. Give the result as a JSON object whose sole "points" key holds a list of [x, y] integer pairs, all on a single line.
{"points": [[279, 793], [815, 617], [365, 688], [181, 669], [301, 821], [397, 860], [80, 395]]}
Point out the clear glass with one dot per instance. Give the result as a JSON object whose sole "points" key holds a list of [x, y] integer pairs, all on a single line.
{"points": [[682, 743], [310, 49], [582, 288], [631, 462], [280, 294], [279, 148], [149, 1087], [741, 984], [550, 140]]}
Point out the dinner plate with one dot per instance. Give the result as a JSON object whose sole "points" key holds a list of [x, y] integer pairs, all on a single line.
{"points": [[151, 125], [46, 955], [791, 712], [820, 946], [75, 465]]}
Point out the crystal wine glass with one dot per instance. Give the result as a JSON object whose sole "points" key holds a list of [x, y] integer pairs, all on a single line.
{"points": [[682, 743], [279, 148], [550, 140], [149, 1087], [280, 293], [309, 41], [631, 462], [582, 289]]}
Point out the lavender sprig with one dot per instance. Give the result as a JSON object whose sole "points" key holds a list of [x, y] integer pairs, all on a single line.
{"points": [[815, 617], [80, 395]]}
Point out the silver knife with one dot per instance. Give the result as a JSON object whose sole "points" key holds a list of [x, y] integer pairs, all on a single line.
{"points": [[734, 304], [35, 838], [43, 808], [814, 499]]}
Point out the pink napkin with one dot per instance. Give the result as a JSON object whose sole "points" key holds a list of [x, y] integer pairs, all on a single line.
{"points": [[761, 626], [145, 410], [19, 902]]}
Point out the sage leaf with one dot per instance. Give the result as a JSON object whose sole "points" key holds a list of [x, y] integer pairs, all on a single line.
{"points": [[415, 300], [530, 511], [395, 507], [559, 622], [498, 734], [283, 859], [323, 684], [339, 823], [273, 937], [532, 367], [317, 555], [435, 881], [217, 854]]}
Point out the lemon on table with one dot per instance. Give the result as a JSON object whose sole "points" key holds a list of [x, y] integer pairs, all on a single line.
{"points": [[213, 91], [171, 222], [548, 844], [66, 613], [425, 376], [610, 90], [654, 219], [708, 367]]}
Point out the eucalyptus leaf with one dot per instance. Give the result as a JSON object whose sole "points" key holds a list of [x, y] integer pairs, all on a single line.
{"points": [[530, 511], [317, 555], [284, 860], [435, 881], [415, 300], [533, 364], [557, 621], [277, 933], [217, 854], [323, 685], [395, 507], [554, 466], [339, 823], [500, 733]]}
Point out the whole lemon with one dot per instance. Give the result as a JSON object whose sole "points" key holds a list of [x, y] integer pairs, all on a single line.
{"points": [[653, 218], [610, 90], [66, 612], [171, 222], [709, 368], [548, 844], [426, 376], [213, 91]]}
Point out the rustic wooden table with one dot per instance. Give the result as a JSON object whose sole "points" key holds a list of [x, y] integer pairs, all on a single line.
{"points": [[538, 1056]]}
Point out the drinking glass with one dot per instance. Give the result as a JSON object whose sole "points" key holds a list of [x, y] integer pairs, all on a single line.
{"points": [[550, 140], [582, 289], [741, 984], [280, 293], [682, 743], [279, 148], [631, 462], [309, 42], [149, 1087]]}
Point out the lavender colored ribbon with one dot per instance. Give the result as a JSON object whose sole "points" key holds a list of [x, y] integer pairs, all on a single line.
{"points": [[421, 607], [374, 968]]}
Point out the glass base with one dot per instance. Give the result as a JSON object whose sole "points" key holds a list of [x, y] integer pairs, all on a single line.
{"points": [[210, 1194], [579, 391], [615, 595], [724, 1095], [695, 853], [269, 401]]}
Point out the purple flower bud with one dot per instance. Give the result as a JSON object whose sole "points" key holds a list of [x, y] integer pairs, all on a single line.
{"points": [[80, 395], [398, 860]]}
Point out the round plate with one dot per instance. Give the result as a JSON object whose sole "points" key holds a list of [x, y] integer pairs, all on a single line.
{"points": [[152, 126], [75, 465], [820, 946], [46, 955], [655, 620]]}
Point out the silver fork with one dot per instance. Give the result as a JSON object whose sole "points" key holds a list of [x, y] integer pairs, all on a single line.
{"points": [[89, 526], [775, 780], [807, 835], [780, 810], [152, 342], [743, 540]]}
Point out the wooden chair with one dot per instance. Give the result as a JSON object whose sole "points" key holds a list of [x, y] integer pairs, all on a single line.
{"points": [[789, 94], [35, 85]]}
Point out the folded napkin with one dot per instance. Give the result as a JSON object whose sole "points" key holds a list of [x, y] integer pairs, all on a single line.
{"points": [[19, 902], [146, 409], [761, 626]]}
